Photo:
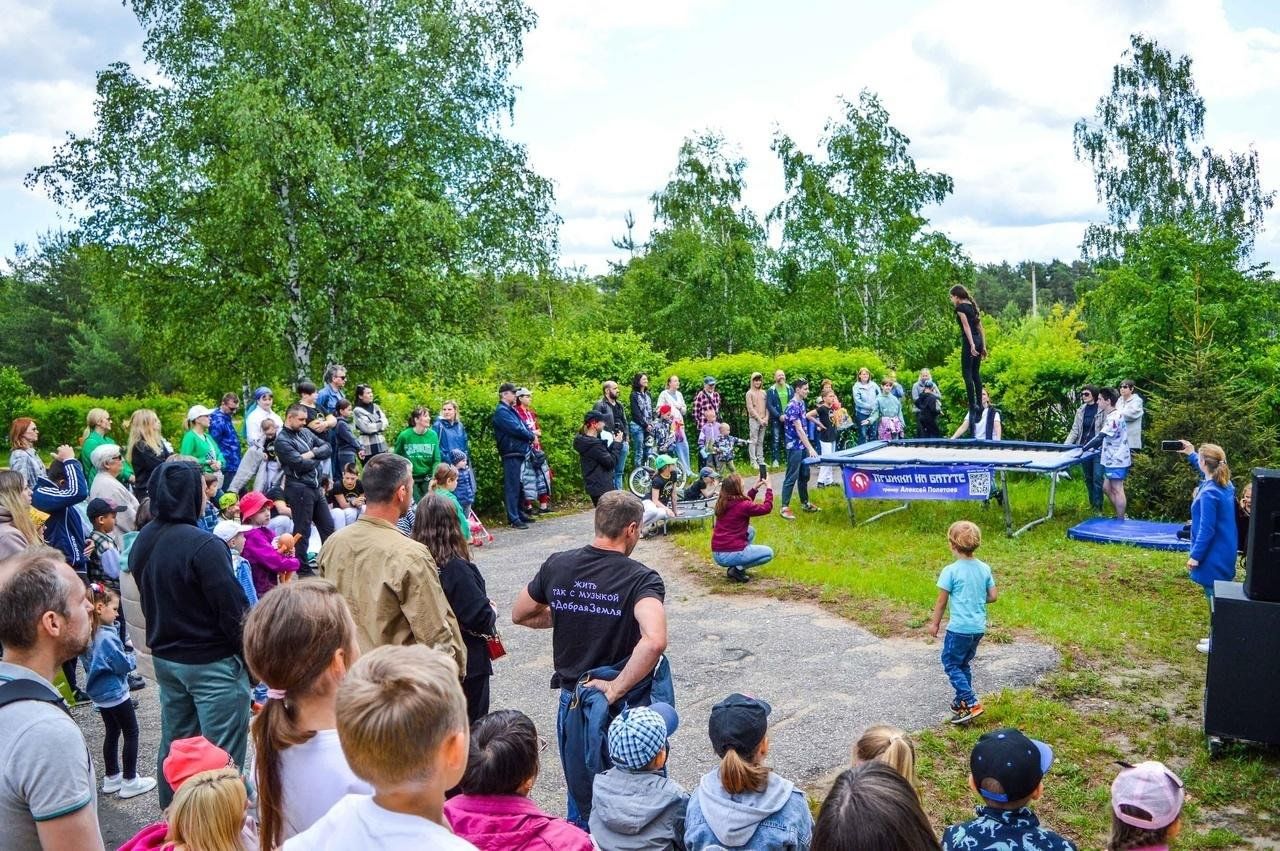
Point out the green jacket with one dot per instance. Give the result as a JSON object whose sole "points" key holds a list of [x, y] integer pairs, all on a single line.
{"points": [[202, 448], [422, 450], [457, 506], [92, 442]]}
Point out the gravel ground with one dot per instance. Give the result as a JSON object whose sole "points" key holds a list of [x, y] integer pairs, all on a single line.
{"points": [[826, 678]]}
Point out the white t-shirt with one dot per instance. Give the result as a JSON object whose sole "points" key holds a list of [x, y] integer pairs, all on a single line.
{"points": [[313, 777], [253, 426], [356, 822]]}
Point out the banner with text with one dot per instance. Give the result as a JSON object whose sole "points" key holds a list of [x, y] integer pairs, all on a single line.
{"points": [[962, 481]]}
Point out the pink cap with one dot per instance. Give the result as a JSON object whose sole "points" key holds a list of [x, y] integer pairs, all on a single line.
{"points": [[1147, 795]]}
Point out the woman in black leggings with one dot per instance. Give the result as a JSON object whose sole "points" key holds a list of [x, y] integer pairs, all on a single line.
{"points": [[973, 348]]}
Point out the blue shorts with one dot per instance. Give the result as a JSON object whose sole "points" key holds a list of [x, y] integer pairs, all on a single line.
{"points": [[1116, 474]]}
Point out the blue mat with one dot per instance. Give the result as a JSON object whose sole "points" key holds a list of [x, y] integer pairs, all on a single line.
{"points": [[1137, 533]]}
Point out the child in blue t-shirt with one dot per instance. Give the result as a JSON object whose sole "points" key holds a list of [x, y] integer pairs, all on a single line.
{"points": [[967, 584]]}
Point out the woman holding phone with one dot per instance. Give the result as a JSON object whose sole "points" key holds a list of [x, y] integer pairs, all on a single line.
{"points": [[733, 544]]}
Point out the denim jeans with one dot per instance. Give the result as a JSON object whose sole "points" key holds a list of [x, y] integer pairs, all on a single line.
{"points": [[620, 469], [958, 650], [797, 476], [752, 555], [1091, 471], [511, 487], [681, 448], [210, 700], [637, 440], [777, 440], [574, 815]]}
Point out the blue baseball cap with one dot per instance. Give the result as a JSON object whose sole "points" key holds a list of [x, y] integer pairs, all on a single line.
{"points": [[639, 734]]}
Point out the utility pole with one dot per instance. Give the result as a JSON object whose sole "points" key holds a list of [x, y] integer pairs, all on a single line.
{"points": [[1035, 311]]}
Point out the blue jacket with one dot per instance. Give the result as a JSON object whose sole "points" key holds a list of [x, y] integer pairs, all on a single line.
{"points": [[327, 399], [223, 432], [774, 402], [108, 663], [512, 435], [775, 819], [64, 529], [1213, 533], [452, 436], [466, 489], [584, 733]]}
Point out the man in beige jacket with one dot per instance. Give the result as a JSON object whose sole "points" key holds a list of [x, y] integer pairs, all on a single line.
{"points": [[390, 581], [758, 411]]}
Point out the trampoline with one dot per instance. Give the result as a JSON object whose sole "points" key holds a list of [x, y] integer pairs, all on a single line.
{"points": [[1137, 533], [930, 469]]}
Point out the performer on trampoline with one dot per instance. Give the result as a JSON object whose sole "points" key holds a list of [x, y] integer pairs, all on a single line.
{"points": [[973, 346]]}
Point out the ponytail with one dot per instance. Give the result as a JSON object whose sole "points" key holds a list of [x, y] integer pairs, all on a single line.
{"points": [[891, 746], [1215, 463], [290, 640], [961, 293], [739, 775]]}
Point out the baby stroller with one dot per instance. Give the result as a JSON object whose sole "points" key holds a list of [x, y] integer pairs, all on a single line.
{"points": [[479, 534]]}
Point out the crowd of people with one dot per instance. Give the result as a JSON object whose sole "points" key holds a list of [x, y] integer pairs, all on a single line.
{"points": [[365, 689]]}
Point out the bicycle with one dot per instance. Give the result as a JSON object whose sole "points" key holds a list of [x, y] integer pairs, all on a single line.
{"points": [[638, 482]]}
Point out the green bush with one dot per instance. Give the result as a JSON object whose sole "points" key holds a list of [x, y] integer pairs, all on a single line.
{"points": [[594, 357], [62, 418], [15, 400]]}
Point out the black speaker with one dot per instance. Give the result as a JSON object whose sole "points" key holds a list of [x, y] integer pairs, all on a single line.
{"points": [[1242, 692], [1262, 558]]}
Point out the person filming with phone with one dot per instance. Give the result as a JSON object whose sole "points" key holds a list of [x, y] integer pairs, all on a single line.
{"points": [[733, 544]]}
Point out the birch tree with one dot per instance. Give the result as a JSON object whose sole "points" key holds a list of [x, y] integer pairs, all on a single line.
{"points": [[304, 180]]}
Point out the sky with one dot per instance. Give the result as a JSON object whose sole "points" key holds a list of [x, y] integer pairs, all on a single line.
{"points": [[986, 90]]}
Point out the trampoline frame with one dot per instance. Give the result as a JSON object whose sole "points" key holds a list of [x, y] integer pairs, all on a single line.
{"points": [[1073, 455]]}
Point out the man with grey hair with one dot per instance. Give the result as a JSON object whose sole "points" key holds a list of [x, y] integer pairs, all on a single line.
{"points": [[390, 581], [48, 797], [604, 609]]}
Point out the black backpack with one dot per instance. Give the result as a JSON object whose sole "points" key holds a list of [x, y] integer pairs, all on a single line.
{"points": [[22, 689]]}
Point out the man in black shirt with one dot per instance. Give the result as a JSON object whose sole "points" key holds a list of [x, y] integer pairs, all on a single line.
{"points": [[601, 606], [615, 422]]}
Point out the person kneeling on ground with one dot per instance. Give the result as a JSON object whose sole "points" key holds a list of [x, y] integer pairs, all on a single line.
{"points": [[636, 805], [742, 803], [702, 487], [494, 811], [732, 538], [1007, 770], [662, 501]]}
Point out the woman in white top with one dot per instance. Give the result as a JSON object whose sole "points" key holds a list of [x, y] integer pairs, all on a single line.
{"points": [[989, 427], [672, 396], [1130, 407], [299, 640], [268, 471], [109, 458]]}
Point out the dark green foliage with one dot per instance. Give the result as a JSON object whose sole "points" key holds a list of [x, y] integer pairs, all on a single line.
{"points": [[1203, 399], [594, 357], [1001, 287], [15, 400]]}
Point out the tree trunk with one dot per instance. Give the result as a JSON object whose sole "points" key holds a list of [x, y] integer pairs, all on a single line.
{"points": [[296, 332]]}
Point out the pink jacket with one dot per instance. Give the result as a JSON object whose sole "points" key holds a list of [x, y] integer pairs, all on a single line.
{"points": [[265, 560], [511, 823], [729, 535]]}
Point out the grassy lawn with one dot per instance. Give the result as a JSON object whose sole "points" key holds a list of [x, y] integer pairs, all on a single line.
{"points": [[1125, 620]]}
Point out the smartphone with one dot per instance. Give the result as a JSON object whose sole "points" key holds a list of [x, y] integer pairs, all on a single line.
{"points": [[1171, 445]]}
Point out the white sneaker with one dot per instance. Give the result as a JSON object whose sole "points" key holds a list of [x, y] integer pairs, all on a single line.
{"points": [[137, 786], [1204, 645], [111, 784]]}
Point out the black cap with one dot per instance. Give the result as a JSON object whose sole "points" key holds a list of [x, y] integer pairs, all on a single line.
{"points": [[738, 722], [506, 387], [1016, 762], [592, 416], [98, 507]]}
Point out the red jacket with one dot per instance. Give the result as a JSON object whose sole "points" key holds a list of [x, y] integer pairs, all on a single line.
{"points": [[511, 823], [730, 532]]}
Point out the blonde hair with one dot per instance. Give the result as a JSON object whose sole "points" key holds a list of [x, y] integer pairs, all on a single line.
{"points": [[207, 813], [965, 536], [396, 708], [1215, 462], [93, 419], [739, 774], [890, 746], [12, 484], [144, 427]]}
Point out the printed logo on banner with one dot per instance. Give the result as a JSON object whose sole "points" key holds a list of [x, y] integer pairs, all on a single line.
{"points": [[963, 481]]}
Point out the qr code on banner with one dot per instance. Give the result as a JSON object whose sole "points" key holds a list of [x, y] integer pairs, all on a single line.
{"points": [[979, 483]]}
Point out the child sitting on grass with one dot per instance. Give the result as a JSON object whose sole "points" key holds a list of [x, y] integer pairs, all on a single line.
{"points": [[402, 722], [1146, 808], [635, 805], [1007, 770], [967, 584]]}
